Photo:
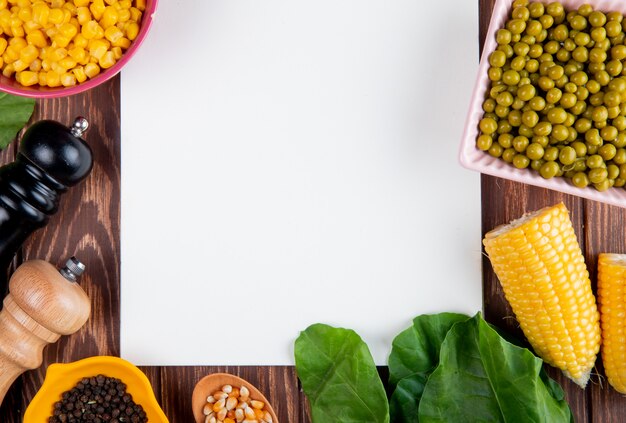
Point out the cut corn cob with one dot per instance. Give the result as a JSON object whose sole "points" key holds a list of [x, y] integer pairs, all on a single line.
{"points": [[544, 277], [612, 304]]}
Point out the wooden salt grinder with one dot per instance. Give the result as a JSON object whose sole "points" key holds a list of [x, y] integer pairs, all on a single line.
{"points": [[43, 304]]}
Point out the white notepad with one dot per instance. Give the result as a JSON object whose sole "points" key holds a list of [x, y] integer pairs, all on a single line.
{"points": [[292, 162]]}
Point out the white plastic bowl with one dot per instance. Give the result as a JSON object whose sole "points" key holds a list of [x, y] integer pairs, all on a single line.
{"points": [[475, 159]]}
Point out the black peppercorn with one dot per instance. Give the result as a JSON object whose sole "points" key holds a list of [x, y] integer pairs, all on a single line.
{"points": [[97, 399]]}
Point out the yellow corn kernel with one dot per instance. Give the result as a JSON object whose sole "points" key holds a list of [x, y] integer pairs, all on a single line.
{"points": [[22, 3], [25, 14], [77, 53], [29, 53], [68, 30], [42, 78], [67, 15], [37, 39], [56, 3], [544, 277], [113, 34], [10, 54], [3, 4], [132, 29], [53, 79], [124, 4], [611, 294], [67, 62], [54, 54], [109, 17], [123, 15], [51, 31], [71, 7], [31, 26], [91, 69], [79, 73], [68, 79], [141, 5], [41, 12], [8, 70], [83, 15], [80, 41], [20, 65], [56, 68], [35, 65], [18, 30], [117, 52], [18, 43], [122, 42], [135, 14], [3, 45], [111, 2], [89, 30], [55, 16], [97, 8], [27, 78], [97, 48], [81, 3], [60, 40], [107, 60], [45, 64]]}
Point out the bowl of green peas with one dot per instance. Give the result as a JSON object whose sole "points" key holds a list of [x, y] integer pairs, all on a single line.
{"points": [[549, 104]]}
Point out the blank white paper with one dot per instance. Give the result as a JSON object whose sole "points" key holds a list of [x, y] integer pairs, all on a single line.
{"points": [[292, 162]]}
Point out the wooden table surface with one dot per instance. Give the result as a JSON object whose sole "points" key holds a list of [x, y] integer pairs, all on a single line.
{"points": [[88, 226]]}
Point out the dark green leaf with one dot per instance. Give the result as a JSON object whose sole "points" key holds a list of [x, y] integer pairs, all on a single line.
{"points": [[405, 399], [14, 113], [339, 377], [482, 377]]}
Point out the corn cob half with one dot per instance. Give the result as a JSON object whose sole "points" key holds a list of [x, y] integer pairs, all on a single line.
{"points": [[612, 304], [544, 277]]}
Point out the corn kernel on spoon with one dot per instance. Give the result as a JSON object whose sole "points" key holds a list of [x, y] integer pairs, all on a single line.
{"points": [[222, 396]]}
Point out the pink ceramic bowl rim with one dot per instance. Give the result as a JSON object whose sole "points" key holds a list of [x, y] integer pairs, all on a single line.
{"points": [[472, 158], [13, 86]]}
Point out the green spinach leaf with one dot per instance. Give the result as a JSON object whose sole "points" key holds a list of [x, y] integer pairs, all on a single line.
{"points": [[414, 355], [339, 376], [14, 113], [482, 377]]}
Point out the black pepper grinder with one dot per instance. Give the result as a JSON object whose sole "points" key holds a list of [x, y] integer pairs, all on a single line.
{"points": [[51, 158]]}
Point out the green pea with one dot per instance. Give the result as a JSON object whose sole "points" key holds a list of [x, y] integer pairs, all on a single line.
{"points": [[516, 26], [593, 86], [508, 154], [578, 22], [607, 151], [570, 88], [488, 126], [598, 34], [580, 180], [618, 52], [502, 111], [520, 161], [495, 150], [521, 12], [567, 155], [542, 128], [614, 67], [568, 100], [518, 63], [525, 131], [556, 72], [594, 161], [506, 49], [533, 28], [597, 18], [547, 21], [613, 28], [497, 59], [489, 105], [620, 156], [532, 66], [511, 77], [618, 84], [600, 114], [530, 118], [549, 169], [614, 112], [597, 99], [506, 140], [484, 142], [495, 74], [620, 141], [582, 93], [503, 36], [505, 99], [520, 143], [597, 175], [612, 171], [609, 133], [580, 148], [521, 49], [541, 140], [536, 164], [580, 54], [560, 33], [553, 95], [504, 127], [564, 54], [526, 92], [534, 151], [537, 104], [597, 55], [619, 182], [551, 47], [518, 104], [582, 125], [579, 78], [560, 132], [557, 115], [536, 10], [620, 123], [515, 118], [582, 38], [592, 137], [551, 154], [579, 108]]}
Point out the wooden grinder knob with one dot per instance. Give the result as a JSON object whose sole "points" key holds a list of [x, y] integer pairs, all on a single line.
{"points": [[43, 304]]}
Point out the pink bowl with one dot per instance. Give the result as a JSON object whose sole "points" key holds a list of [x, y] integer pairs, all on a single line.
{"points": [[11, 86], [475, 159]]}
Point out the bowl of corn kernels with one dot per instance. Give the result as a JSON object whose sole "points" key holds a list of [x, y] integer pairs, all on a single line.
{"points": [[54, 48]]}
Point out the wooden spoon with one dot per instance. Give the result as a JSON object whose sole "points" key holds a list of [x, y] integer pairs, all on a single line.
{"points": [[214, 382]]}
